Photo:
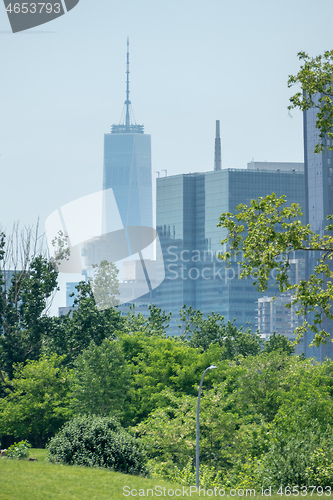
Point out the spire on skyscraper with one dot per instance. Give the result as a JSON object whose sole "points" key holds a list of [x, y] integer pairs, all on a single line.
{"points": [[127, 122], [217, 156], [127, 102]]}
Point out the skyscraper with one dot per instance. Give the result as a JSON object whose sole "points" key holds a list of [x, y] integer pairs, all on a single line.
{"points": [[188, 210], [318, 169], [127, 167]]}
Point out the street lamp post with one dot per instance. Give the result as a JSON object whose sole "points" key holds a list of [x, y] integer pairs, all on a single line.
{"points": [[197, 427]]}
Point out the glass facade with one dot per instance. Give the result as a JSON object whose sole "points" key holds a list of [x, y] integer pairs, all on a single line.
{"points": [[187, 213], [127, 170], [318, 169]]}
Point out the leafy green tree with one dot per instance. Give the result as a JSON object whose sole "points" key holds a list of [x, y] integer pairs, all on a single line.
{"points": [[23, 321], [70, 335], [278, 342], [289, 458], [203, 332], [315, 78], [105, 285], [159, 363], [169, 433], [101, 380], [37, 402], [156, 323], [267, 234], [261, 380]]}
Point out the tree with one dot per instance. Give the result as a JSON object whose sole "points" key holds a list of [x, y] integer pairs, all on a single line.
{"points": [[159, 363], [37, 401], [105, 285], [267, 234], [70, 335], [202, 333], [278, 343], [101, 380], [315, 78], [156, 323], [27, 281]]}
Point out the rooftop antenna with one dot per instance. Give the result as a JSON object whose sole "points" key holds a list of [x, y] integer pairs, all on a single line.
{"points": [[126, 124], [217, 157], [127, 102]]}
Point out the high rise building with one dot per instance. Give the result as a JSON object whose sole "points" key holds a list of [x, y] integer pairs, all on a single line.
{"points": [[318, 169], [127, 167], [127, 171], [187, 213]]}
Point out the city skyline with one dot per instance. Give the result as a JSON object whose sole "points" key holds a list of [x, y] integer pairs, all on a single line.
{"points": [[192, 64]]}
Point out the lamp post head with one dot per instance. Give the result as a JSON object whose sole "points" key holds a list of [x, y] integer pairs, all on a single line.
{"points": [[212, 367]]}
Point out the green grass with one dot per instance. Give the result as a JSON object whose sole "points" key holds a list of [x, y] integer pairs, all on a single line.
{"points": [[41, 480]]}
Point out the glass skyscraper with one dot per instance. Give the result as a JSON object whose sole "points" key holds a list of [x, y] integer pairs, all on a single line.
{"points": [[187, 213], [318, 169], [127, 168]]}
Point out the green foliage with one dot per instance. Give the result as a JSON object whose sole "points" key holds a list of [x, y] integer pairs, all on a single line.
{"points": [[266, 234], [278, 342], [296, 459], [37, 401], [101, 379], [18, 450], [260, 381], [202, 333], [319, 470], [159, 363], [246, 473], [70, 335], [315, 78], [23, 324], [169, 432], [97, 442], [209, 476], [156, 323], [105, 285]]}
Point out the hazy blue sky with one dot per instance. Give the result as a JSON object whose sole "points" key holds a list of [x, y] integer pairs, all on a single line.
{"points": [[192, 62]]}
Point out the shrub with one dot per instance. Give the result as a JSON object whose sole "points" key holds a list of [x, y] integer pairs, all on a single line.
{"points": [[299, 459], [209, 476], [97, 442], [18, 450], [319, 471]]}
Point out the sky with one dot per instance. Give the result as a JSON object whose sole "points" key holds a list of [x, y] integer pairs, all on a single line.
{"points": [[192, 63]]}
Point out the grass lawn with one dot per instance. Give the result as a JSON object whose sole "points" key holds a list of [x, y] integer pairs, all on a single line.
{"points": [[41, 480]]}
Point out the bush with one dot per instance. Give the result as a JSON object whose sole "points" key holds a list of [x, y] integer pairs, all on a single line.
{"points": [[18, 450], [299, 459], [319, 471], [97, 442], [209, 476]]}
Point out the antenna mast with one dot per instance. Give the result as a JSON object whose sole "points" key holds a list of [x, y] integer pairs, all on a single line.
{"points": [[126, 124], [127, 102]]}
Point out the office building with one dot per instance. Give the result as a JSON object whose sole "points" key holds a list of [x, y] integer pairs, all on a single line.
{"points": [[187, 213], [274, 316], [127, 167], [318, 170]]}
